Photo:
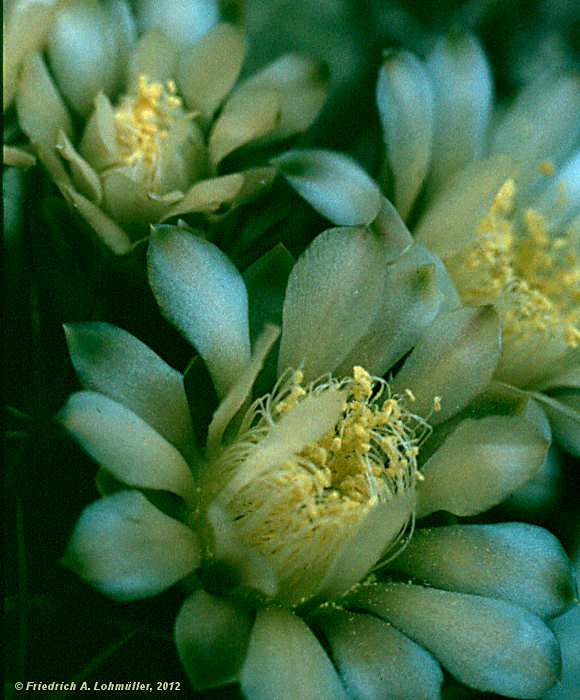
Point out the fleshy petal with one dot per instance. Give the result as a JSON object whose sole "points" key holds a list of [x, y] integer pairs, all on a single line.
{"points": [[454, 359], [286, 661], [333, 183], [487, 644], [125, 445], [129, 549], [115, 363], [211, 635], [452, 218], [106, 229], [201, 292], [405, 105], [410, 300], [82, 49], [462, 91], [186, 21], [154, 56], [300, 82], [520, 563], [392, 230], [564, 414], [480, 464], [208, 70], [85, 178], [208, 195], [248, 115], [376, 661], [344, 271], [42, 113], [99, 145]]}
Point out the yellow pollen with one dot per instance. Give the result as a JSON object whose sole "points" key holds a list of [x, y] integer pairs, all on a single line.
{"points": [[530, 274], [546, 167], [297, 514], [143, 122]]}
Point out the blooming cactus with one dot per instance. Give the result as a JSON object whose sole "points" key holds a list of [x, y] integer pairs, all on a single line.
{"points": [[298, 507], [154, 94]]}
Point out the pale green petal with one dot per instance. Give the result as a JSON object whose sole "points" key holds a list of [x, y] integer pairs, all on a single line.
{"points": [[25, 29], [542, 123], [82, 49], [110, 233], [376, 661], [208, 70], [115, 363], [249, 568], [520, 563], [248, 115], [564, 414], [211, 636], [300, 83], [99, 145], [390, 227], [454, 359], [569, 377], [488, 644], [462, 100], [129, 549], [363, 549], [410, 300], [128, 202], [333, 183], [183, 20], [308, 421], [201, 292], [405, 103], [208, 195], [130, 449], [17, 157], [452, 218], [42, 113], [84, 177], [480, 464], [240, 390], [154, 56], [285, 661], [344, 271]]}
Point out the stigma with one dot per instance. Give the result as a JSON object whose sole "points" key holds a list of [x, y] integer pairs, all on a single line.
{"points": [[299, 512], [143, 123]]}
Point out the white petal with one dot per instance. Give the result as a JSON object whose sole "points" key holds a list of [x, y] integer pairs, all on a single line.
{"points": [[454, 359], [211, 635], [360, 646], [155, 57], [462, 92], [452, 218], [405, 105], [344, 271], [392, 230], [201, 292], [85, 178], [185, 21], [480, 464], [520, 563], [285, 661], [487, 644], [333, 183], [128, 549], [208, 195], [115, 363], [564, 414], [99, 145], [125, 445], [82, 49]]}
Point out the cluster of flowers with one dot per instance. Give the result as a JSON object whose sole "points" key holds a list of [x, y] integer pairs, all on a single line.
{"points": [[380, 378]]}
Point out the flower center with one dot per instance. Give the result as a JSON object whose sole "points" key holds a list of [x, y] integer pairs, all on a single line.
{"points": [[143, 122], [298, 513], [531, 275]]}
